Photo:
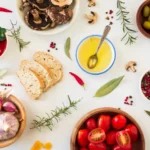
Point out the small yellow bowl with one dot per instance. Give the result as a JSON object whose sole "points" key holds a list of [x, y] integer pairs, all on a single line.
{"points": [[91, 71]]}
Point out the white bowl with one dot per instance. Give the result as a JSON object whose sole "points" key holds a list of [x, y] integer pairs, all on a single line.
{"points": [[6, 46], [113, 50], [143, 74], [53, 31]]}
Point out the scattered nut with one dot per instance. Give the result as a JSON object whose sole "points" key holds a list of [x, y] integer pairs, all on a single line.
{"points": [[92, 3], [92, 18], [131, 65]]}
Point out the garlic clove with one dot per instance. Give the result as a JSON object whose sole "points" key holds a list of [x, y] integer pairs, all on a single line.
{"points": [[9, 107]]}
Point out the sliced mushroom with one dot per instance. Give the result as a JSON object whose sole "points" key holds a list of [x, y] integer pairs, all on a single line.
{"points": [[92, 3], [24, 4], [92, 18], [59, 15], [37, 20], [61, 3], [40, 4], [131, 65]]}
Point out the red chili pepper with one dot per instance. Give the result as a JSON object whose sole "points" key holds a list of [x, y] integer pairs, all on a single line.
{"points": [[5, 10], [78, 79]]}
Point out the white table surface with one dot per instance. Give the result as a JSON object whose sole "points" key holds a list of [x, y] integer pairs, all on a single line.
{"points": [[60, 136]]}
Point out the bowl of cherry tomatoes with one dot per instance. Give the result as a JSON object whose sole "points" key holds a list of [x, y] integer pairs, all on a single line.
{"points": [[107, 129]]}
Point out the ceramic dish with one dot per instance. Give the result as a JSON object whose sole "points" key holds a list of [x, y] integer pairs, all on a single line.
{"points": [[138, 145], [6, 47], [113, 53], [22, 123], [53, 31], [140, 19], [140, 86]]}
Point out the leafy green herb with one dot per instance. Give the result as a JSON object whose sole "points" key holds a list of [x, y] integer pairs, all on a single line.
{"points": [[108, 87], [3, 71], [67, 47], [122, 15], [15, 33], [148, 112], [55, 115], [2, 34]]}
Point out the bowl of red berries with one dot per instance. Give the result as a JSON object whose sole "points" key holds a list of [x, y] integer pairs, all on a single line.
{"points": [[145, 85], [107, 129]]}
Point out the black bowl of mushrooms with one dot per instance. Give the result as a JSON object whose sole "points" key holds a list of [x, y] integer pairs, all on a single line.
{"points": [[12, 120], [47, 17]]}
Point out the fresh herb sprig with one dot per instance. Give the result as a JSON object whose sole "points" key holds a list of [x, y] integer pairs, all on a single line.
{"points": [[15, 33], [55, 115], [122, 15]]}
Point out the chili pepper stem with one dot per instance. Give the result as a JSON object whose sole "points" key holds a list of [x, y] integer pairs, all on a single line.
{"points": [[84, 87]]}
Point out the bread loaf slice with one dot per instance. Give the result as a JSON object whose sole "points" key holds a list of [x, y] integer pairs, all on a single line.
{"points": [[40, 70], [51, 63], [31, 82]]}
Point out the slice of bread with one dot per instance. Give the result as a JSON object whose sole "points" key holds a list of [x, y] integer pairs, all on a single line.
{"points": [[51, 63], [31, 82], [40, 70]]}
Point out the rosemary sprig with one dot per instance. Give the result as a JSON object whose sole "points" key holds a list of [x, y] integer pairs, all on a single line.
{"points": [[15, 33], [122, 15], [54, 115]]}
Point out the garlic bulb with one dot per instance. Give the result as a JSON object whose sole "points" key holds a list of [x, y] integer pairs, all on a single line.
{"points": [[9, 126]]}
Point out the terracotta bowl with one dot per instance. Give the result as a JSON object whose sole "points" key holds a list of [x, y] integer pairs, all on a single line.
{"points": [[140, 19], [22, 123], [139, 145]]}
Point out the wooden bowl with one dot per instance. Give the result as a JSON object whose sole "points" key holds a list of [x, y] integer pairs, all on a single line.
{"points": [[22, 123], [139, 145], [140, 19]]}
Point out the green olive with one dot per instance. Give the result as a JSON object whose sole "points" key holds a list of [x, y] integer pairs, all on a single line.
{"points": [[149, 18], [146, 25], [146, 11]]}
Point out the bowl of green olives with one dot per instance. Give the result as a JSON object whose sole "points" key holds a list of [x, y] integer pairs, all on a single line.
{"points": [[143, 18]]}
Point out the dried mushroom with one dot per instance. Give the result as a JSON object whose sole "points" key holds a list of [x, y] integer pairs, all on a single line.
{"points": [[61, 3], [40, 4], [25, 4], [37, 20], [59, 15], [92, 18], [91, 3], [131, 65]]}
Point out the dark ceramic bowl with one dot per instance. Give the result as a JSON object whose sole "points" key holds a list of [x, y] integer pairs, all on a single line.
{"points": [[139, 145], [140, 19]]}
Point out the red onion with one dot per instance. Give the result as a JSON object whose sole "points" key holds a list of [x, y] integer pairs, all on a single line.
{"points": [[1, 103], [9, 107]]}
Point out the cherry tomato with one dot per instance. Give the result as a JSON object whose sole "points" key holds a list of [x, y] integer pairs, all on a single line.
{"points": [[100, 146], [104, 122], [90, 124], [83, 148], [123, 139], [97, 136], [117, 147], [119, 122], [83, 137], [133, 132], [111, 137]]}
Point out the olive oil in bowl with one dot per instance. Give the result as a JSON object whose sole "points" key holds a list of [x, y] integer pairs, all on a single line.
{"points": [[88, 47]]}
